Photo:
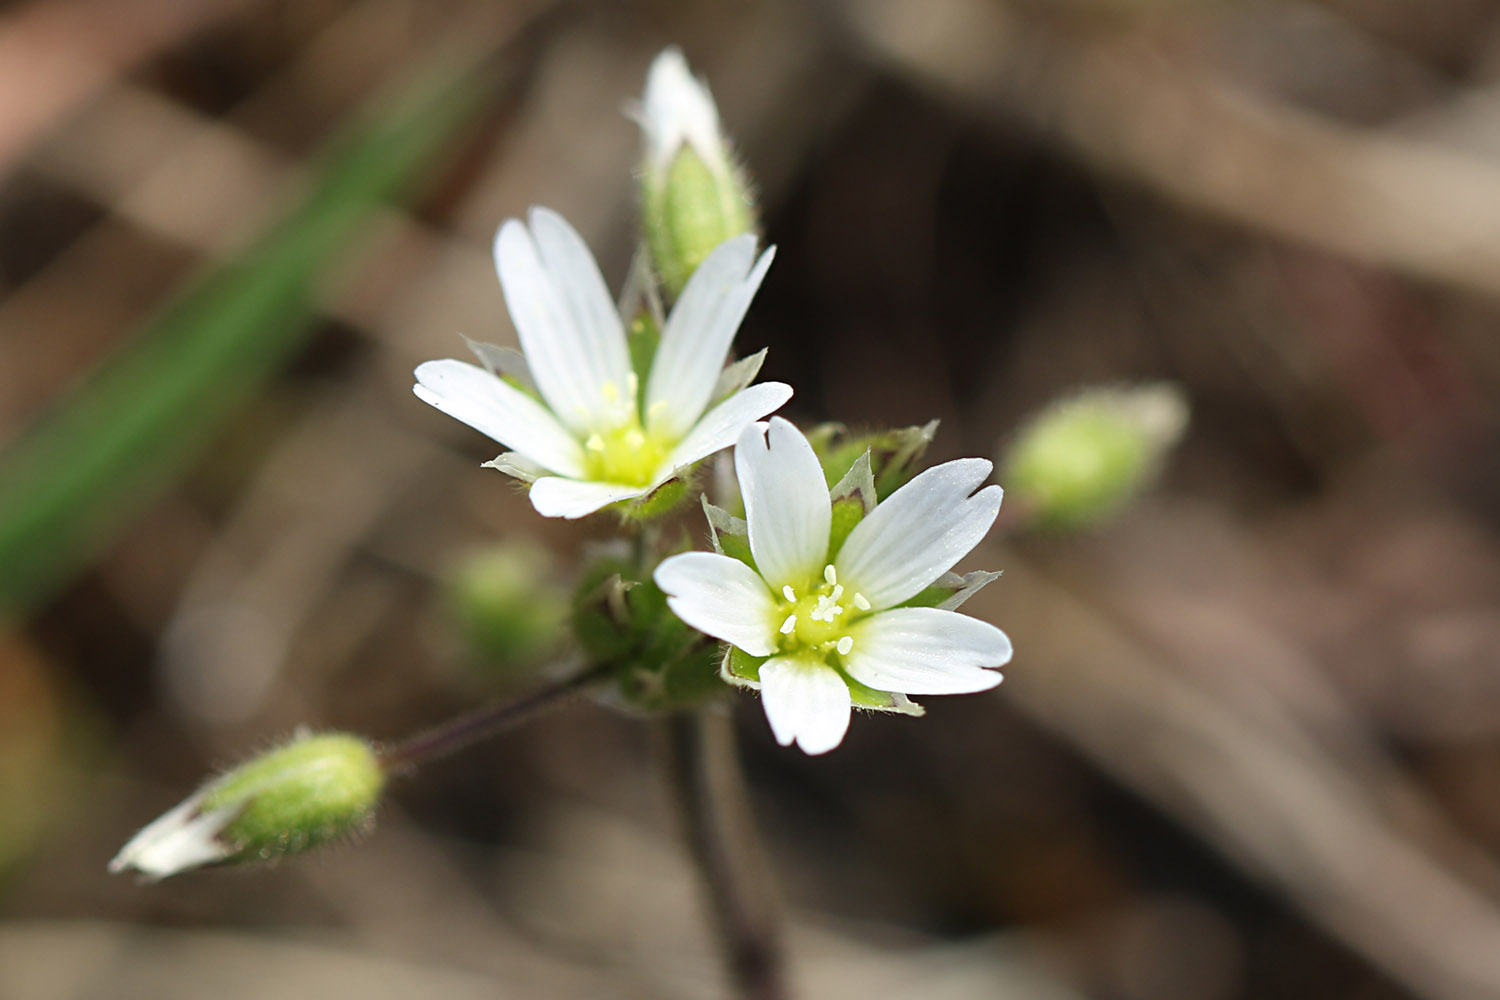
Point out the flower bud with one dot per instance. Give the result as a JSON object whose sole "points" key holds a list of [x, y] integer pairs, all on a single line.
{"points": [[693, 197], [505, 604], [316, 789], [1083, 457]]}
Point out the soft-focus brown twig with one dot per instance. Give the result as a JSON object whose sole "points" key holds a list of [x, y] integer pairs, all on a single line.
{"points": [[1122, 105]]}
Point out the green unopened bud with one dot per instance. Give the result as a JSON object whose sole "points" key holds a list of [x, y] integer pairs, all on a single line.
{"points": [[1082, 458], [506, 606], [317, 789], [693, 197]]}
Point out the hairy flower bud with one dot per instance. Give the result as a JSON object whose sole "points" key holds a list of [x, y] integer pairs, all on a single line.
{"points": [[1083, 457], [693, 197], [316, 789]]}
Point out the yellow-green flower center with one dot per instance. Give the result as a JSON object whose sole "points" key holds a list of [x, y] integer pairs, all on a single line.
{"points": [[817, 618], [626, 453]]}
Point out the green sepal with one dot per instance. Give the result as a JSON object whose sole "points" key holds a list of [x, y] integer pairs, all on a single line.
{"points": [[880, 701], [313, 791], [739, 666], [661, 663], [643, 337], [893, 454], [688, 210], [730, 535]]}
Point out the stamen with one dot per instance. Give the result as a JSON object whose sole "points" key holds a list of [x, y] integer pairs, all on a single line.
{"points": [[635, 437], [830, 574], [845, 644], [788, 592], [838, 591], [788, 625], [594, 443], [862, 602], [632, 385]]}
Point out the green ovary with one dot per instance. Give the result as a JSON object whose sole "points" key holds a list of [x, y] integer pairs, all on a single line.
{"points": [[627, 454]]}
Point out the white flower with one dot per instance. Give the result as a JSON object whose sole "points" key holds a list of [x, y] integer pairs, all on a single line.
{"points": [[677, 109], [594, 438], [831, 627]]}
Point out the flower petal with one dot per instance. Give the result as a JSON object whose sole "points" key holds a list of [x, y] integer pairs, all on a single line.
{"points": [[554, 496], [786, 502], [469, 393], [677, 108], [926, 651], [722, 426], [566, 321], [806, 701], [919, 532], [698, 333], [722, 597]]}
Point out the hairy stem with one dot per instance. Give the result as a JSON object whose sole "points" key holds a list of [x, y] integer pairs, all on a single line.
{"points": [[464, 731], [703, 772]]}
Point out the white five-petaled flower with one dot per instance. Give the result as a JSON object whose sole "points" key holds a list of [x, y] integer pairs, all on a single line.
{"points": [[821, 619], [596, 435]]}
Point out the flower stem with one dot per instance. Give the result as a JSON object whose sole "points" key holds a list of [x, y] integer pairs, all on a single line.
{"points": [[464, 731], [703, 772]]}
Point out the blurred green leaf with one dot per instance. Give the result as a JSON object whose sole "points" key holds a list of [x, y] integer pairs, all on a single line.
{"points": [[71, 482]]}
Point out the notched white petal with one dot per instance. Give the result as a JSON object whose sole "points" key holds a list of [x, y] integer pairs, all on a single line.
{"points": [[786, 502], [927, 651], [806, 702], [919, 532], [721, 597], [564, 317], [698, 333]]}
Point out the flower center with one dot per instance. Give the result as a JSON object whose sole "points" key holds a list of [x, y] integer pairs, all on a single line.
{"points": [[625, 453], [817, 619]]}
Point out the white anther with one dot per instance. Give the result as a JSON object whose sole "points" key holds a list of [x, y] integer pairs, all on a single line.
{"points": [[845, 644], [838, 591], [789, 624], [594, 443], [830, 574], [862, 602], [788, 592], [632, 384]]}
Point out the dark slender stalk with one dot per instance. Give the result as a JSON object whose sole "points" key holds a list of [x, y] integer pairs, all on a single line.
{"points": [[482, 723], [703, 772]]}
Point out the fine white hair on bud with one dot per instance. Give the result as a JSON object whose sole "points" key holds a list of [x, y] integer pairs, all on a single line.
{"points": [[316, 789]]}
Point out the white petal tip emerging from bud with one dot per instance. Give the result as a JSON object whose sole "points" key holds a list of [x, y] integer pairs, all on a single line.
{"points": [[314, 790], [183, 838], [676, 109]]}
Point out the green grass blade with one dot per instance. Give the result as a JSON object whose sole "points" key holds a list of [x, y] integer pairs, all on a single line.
{"points": [[71, 482]]}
